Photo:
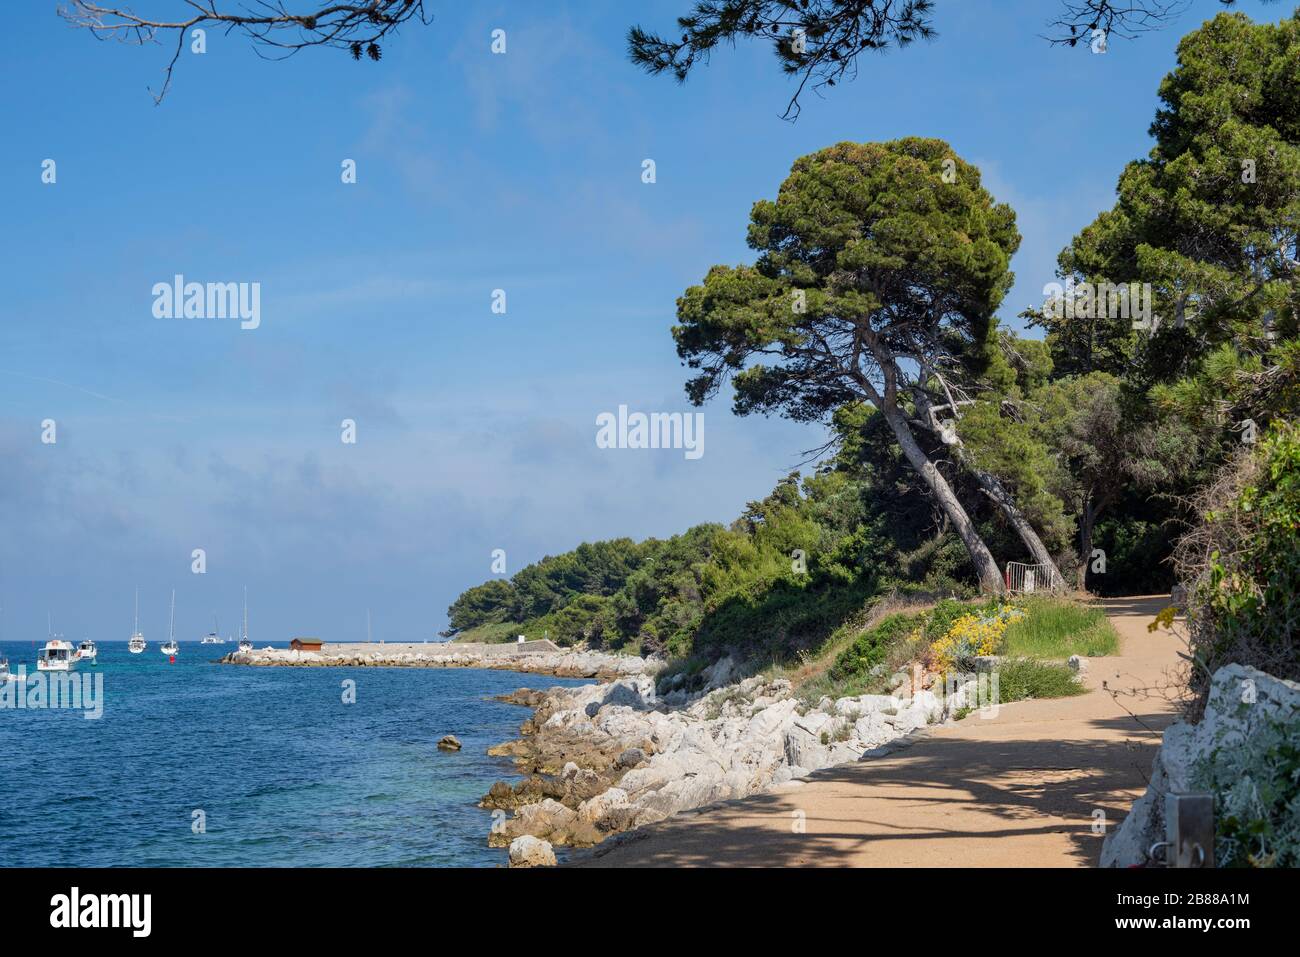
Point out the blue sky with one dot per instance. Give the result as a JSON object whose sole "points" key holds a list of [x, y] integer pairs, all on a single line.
{"points": [[475, 172]]}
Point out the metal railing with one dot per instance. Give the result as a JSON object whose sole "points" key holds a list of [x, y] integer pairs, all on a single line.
{"points": [[1025, 579]]}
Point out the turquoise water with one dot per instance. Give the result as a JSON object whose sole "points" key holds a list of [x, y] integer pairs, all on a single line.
{"points": [[284, 772]]}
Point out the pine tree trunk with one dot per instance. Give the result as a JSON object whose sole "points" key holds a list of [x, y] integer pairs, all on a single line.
{"points": [[994, 489], [985, 567]]}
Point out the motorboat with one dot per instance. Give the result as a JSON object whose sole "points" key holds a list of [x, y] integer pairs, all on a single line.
{"points": [[57, 655]]}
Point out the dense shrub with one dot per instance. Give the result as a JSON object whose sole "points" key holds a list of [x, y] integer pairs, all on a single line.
{"points": [[870, 648], [1242, 566]]}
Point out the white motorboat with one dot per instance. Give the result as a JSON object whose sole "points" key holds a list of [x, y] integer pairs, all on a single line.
{"points": [[213, 637], [245, 646], [137, 643], [57, 655], [86, 651], [169, 647]]}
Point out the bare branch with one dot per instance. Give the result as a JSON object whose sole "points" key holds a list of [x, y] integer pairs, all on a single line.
{"points": [[356, 27]]}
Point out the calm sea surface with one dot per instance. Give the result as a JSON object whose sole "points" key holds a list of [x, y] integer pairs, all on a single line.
{"points": [[284, 772]]}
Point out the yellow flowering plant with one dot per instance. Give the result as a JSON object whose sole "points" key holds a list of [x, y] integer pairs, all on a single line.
{"points": [[972, 636]]}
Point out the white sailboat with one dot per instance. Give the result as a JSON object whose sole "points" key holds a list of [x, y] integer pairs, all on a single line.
{"points": [[169, 647], [137, 643], [6, 675], [245, 646]]}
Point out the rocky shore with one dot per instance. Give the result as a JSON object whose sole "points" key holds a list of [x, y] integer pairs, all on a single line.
{"points": [[602, 759], [528, 657]]}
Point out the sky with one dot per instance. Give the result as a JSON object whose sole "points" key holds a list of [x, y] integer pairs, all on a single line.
{"points": [[475, 172]]}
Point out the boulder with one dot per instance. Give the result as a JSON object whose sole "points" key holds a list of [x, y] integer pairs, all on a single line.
{"points": [[635, 692], [596, 809], [804, 749], [449, 742], [528, 851], [631, 758], [1242, 701]]}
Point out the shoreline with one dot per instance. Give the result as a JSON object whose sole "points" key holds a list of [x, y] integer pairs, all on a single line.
{"points": [[542, 658], [608, 759], [611, 757], [1023, 787]]}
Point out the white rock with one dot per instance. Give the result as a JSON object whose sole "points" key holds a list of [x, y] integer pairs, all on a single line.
{"points": [[528, 851], [593, 809], [1242, 700]]}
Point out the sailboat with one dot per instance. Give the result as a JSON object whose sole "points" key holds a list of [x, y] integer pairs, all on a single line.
{"points": [[170, 647], [245, 646], [137, 643]]}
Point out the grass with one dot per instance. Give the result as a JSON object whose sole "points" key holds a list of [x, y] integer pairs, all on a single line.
{"points": [[887, 636], [1021, 678], [1058, 629]]}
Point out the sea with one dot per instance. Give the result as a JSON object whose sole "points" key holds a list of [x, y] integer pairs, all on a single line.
{"points": [[198, 764]]}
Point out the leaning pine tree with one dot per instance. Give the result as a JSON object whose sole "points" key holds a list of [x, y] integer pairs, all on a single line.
{"points": [[880, 267]]}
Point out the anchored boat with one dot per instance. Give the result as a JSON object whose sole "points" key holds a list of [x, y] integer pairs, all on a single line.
{"points": [[137, 643], [57, 655], [213, 637], [245, 645], [169, 647]]}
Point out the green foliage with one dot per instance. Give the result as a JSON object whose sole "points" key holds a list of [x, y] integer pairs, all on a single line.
{"points": [[492, 602], [493, 633], [1059, 629], [859, 234], [870, 648], [884, 263], [1256, 784], [712, 590], [1137, 538], [1209, 220], [1246, 599], [1020, 678]]}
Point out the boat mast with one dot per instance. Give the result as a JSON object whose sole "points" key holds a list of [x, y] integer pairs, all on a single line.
{"points": [[245, 612], [137, 612], [171, 634]]}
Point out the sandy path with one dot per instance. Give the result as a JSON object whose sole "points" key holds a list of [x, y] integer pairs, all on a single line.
{"points": [[1019, 789]]}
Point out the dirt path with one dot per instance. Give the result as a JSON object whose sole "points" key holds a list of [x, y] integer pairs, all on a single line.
{"points": [[1019, 789]]}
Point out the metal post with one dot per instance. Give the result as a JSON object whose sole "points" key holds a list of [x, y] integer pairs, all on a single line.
{"points": [[1189, 830]]}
